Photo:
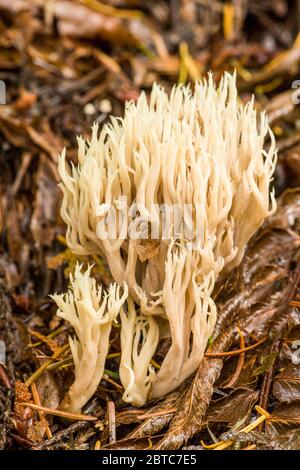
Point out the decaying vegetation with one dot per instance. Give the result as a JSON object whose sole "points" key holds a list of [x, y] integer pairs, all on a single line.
{"points": [[64, 71]]}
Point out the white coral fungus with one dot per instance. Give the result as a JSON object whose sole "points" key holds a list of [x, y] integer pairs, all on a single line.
{"points": [[91, 312], [139, 339], [203, 149]]}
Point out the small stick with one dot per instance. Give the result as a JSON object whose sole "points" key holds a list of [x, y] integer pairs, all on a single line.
{"points": [[111, 381], [267, 382], [240, 363], [250, 447], [62, 414], [97, 445], [155, 364], [44, 366], [44, 339], [61, 435], [236, 352], [113, 355], [111, 421], [37, 401]]}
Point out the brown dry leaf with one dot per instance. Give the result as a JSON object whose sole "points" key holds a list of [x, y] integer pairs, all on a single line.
{"points": [[21, 134], [17, 243], [279, 106], [45, 339], [66, 258], [266, 362], [246, 378], [13, 332], [287, 213], [25, 100], [233, 408], [152, 426], [10, 271], [43, 220], [84, 22], [285, 416], [290, 159], [37, 431], [147, 249], [56, 261], [286, 387], [265, 264], [286, 441], [48, 390], [284, 63], [157, 417]]}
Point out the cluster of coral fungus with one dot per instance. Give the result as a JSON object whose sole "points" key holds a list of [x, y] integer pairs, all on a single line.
{"points": [[202, 149]]}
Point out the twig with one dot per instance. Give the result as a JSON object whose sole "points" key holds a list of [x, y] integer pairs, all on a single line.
{"points": [[113, 355], [236, 352], [26, 160], [44, 366], [267, 382], [240, 363], [65, 433], [250, 447], [22, 441], [111, 421], [44, 339], [37, 401], [155, 364], [62, 414], [111, 381], [187, 65], [97, 445], [228, 21], [49, 336], [61, 364], [109, 10]]}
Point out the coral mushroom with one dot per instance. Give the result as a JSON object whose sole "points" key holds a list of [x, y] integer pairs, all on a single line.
{"points": [[91, 312], [201, 150]]}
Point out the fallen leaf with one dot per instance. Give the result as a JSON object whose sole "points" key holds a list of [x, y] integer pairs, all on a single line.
{"points": [[266, 362], [37, 431], [147, 249], [44, 217], [285, 416], [233, 408], [286, 387]]}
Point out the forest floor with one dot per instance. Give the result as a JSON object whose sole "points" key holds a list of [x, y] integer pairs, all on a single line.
{"points": [[66, 64]]}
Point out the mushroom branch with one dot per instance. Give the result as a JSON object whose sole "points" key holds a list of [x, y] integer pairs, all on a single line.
{"points": [[91, 312], [139, 340], [201, 152]]}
